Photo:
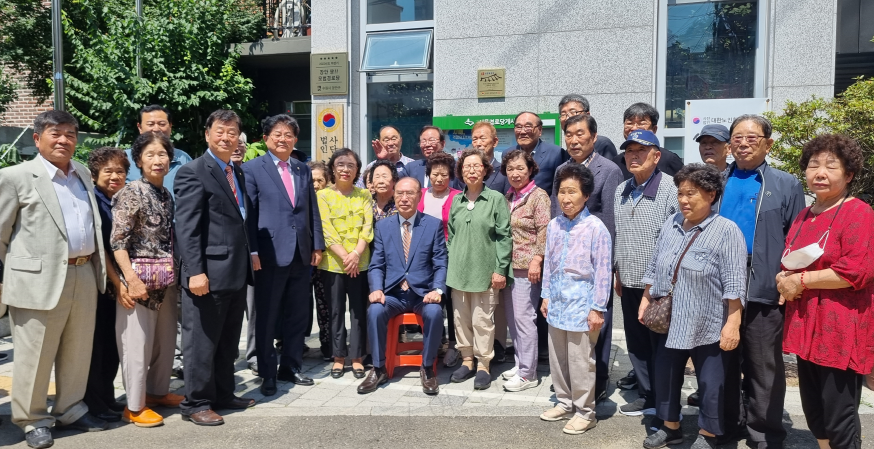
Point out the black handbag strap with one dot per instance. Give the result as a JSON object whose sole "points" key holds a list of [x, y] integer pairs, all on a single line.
{"points": [[677, 268]]}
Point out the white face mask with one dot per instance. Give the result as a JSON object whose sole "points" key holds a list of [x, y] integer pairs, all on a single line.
{"points": [[802, 258]]}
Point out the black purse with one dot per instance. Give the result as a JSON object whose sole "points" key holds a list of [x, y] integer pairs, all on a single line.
{"points": [[657, 316]]}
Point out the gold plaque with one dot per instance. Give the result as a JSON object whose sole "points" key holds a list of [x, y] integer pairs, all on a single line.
{"points": [[329, 74], [490, 83]]}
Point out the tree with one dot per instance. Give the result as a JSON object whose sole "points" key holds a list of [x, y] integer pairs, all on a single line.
{"points": [[25, 47], [851, 113]]}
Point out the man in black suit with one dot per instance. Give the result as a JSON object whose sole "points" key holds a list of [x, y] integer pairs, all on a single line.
{"points": [[213, 247], [485, 138], [431, 140], [573, 104], [644, 116], [287, 243], [528, 130]]}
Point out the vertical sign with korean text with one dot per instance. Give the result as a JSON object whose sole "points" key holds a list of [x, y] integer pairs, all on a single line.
{"points": [[329, 74], [329, 130], [720, 112]]}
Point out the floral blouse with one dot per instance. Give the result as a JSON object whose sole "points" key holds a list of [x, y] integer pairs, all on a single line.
{"points": [[576, 271], [389, 210], [142, 220], [529, 216], [345, 219]]}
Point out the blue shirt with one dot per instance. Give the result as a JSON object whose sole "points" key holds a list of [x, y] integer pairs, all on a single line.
{"points": [[740, 200], [240, 202], [180, 158]]}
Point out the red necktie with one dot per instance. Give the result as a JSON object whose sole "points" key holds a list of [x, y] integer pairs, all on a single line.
{"points": [[229, 173]]}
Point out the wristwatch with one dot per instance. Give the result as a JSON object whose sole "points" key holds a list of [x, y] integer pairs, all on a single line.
{"points": [[439, 292]]}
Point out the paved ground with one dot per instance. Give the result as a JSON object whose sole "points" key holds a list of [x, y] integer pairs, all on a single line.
{"points": [[333, 414]]}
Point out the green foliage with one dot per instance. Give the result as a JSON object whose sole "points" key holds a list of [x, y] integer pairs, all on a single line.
{"points": [[851, 113], [254, 150], [7, 90], [26, 45], [188, 59], [9, 154]]}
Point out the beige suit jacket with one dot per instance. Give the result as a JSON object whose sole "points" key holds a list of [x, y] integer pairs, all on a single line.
{"points": [[33, 238]]}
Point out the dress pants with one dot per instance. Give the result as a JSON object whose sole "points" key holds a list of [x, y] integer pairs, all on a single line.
{"points": [[282, 296], [642, 344], [520, 301], [830, 399], [100, 392], [61, 337], [761, 336], [711, 365], [397, 302], [474, 324], [446, 304], [501, 325], [323, 310], [338, 287], [211, 326], [602, 349], [146, 343], [572, 364], [251, 355]]}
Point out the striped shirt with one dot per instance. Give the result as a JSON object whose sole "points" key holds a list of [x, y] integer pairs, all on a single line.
{"points": [[713, 271], [638, 224]]}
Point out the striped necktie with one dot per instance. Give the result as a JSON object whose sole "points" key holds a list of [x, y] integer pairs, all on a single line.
{"points": [[229, 173], [407, 237]]}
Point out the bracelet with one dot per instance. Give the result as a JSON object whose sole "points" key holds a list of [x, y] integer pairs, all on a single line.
{"points": [[356, 253], [803, 286]]}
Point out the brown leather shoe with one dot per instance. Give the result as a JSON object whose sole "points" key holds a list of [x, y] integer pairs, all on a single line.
{"points": [[429, 380], [168, 400], [204, 418], [237, 404], [374, 379]]}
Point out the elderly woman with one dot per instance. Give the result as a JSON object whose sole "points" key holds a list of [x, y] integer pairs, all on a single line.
{"points": [[700, 258], [529, 216], [145, 322], [480, 247], [828, 281], [576, 286], [109, 168], [323, 311], [436, 202], [382, 178], [347, 222]]}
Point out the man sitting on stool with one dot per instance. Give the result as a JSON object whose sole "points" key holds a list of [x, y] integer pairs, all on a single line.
{"points": [[407, 274]]}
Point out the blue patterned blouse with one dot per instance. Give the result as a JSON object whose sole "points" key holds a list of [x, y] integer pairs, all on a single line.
{"points": [[577, 270]]}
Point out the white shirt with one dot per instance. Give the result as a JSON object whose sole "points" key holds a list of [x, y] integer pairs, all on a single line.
{"points": [[412, 221], [75, 208], [279, 169]]}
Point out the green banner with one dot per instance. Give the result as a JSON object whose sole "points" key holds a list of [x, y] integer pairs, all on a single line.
{"points": [[463, 122]]}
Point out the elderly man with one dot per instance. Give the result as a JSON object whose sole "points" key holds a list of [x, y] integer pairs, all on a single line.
{"points": [[641, 206], [287, 241], [643, 116], [431, 140], [713, 146], [573, 104], [580, 135], [388, 147], [407, 274], [484, 137], [54, 265], [762, 201], [158, 118], [213, 247], [528, 128]]}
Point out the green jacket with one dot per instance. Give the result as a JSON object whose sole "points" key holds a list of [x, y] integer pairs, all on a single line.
{"points": [[480, 242]]}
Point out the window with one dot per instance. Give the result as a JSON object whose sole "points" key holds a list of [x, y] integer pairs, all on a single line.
{"points": [[390, 11], [711, 54], [405, 105], [400, 50]]}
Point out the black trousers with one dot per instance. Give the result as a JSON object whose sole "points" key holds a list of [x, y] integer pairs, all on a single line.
{"points": [[711, 370], [282, 305], [602, 349], [211, 326], [761, 336], [337, 287], [446, 303], [642, 344], [100, 391], [830, 399]]}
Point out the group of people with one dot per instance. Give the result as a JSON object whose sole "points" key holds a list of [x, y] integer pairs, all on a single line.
{"points": [[718, 263]]}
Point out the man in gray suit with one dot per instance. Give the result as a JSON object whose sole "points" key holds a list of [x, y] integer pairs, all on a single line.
{"points": [[53, 268]]}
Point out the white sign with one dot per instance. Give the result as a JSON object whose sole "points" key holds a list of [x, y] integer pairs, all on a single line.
{"points": [[716, 112]]}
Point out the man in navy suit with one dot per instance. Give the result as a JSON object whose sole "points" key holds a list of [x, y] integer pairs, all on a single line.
{"points": [[528, 129], [431, 140], [484, 137], [288, 241], [407, 274]]}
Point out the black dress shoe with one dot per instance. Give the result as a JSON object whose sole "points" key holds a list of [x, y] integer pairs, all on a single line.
{"points": [[375, 378], [179, 373], [237, 404], [116, 406], [358, 373], [286, 374], [500, 354], [429, 380], [336, 373], [253, 367], [40, 437], [3, 356], [87, 423], [692, 400], [268, 386], [107, 416]]}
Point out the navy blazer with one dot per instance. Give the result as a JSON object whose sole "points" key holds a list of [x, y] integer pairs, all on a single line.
{"points": [[548, 157], [426, 269], [280, 230], [496, 181], [417, 169]]}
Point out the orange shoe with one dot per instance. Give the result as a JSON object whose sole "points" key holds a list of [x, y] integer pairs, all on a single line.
{"points": [[143, 418], [168, 400]]}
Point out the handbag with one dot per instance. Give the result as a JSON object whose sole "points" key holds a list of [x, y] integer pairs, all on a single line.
{"points": [[156, 274], [657, 316]]}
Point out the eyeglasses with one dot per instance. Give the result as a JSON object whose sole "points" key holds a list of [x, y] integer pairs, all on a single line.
{"points": [[430, 141], [279, 136], [526, 128], [639, 125], [751, 139], [401, 194], [340, 166], [571, 113], [390, 139], [472, 167]]}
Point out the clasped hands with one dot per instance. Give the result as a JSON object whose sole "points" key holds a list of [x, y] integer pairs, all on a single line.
{"points": [[378, 296], [789, 286]]}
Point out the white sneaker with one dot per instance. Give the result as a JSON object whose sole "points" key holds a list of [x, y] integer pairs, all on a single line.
{"points": [[510, 373], [517, 383]]}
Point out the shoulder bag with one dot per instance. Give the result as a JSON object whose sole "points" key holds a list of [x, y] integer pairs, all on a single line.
{"points": [[657, 316]]}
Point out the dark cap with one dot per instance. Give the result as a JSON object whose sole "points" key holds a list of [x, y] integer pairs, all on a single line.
{"points": [[719, 132]]}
